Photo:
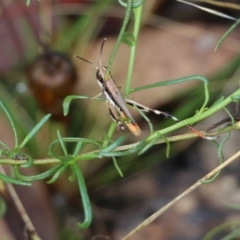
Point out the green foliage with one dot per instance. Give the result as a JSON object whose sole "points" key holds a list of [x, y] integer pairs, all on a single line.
{"points": [[3, 207], [227, 33], [16, 152], [232, 227], [107, 147]]}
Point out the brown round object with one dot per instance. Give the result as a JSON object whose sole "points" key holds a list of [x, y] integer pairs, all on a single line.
{"points": [[51, 78]]}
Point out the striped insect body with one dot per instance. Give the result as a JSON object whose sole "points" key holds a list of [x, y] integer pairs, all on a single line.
{"points": [[111, 92]]}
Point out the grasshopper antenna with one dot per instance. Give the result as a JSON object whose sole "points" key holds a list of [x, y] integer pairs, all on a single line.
{"points": [[87, 61], [104, 40]]}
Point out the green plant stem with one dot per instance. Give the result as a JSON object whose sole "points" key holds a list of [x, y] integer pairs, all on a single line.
{"points": [[120, 148], [110, 134], [196, 118], [191, 120], [119, 39], [137, 24], [226, 34]]}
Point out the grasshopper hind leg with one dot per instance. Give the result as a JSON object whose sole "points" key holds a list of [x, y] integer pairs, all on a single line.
{"points": [[115, 117], [119, 116], [167, 115]]}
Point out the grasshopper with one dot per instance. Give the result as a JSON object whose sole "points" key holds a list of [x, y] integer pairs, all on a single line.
{"points": [[117, 104]]}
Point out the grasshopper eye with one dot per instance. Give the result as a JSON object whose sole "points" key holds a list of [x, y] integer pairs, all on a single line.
{"points": [[99, 74]]}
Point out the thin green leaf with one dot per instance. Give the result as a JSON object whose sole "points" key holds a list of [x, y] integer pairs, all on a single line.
{"points": [[10, 118], [13, 180], [232, 235], [57, 173], [36, 177], [171, 82], [84, 195], [152, 142], [78, 148], [220, 228], [226, 34], [149, 145], [115, 144], [220, 149], [4, 145], [206, 99], [220, 155], [68, 100], [128, 39], [123, 153], [62, 143], [83, 140], [117, 167], [230, 115], [146, 119], [181, 80], [34, 130], [108, 137]]}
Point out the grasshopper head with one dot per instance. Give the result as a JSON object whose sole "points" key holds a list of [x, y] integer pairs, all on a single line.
{"points": [[101, 73]]}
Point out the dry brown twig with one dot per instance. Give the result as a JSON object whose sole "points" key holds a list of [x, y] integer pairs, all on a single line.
{"points": [[179, 197]]}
